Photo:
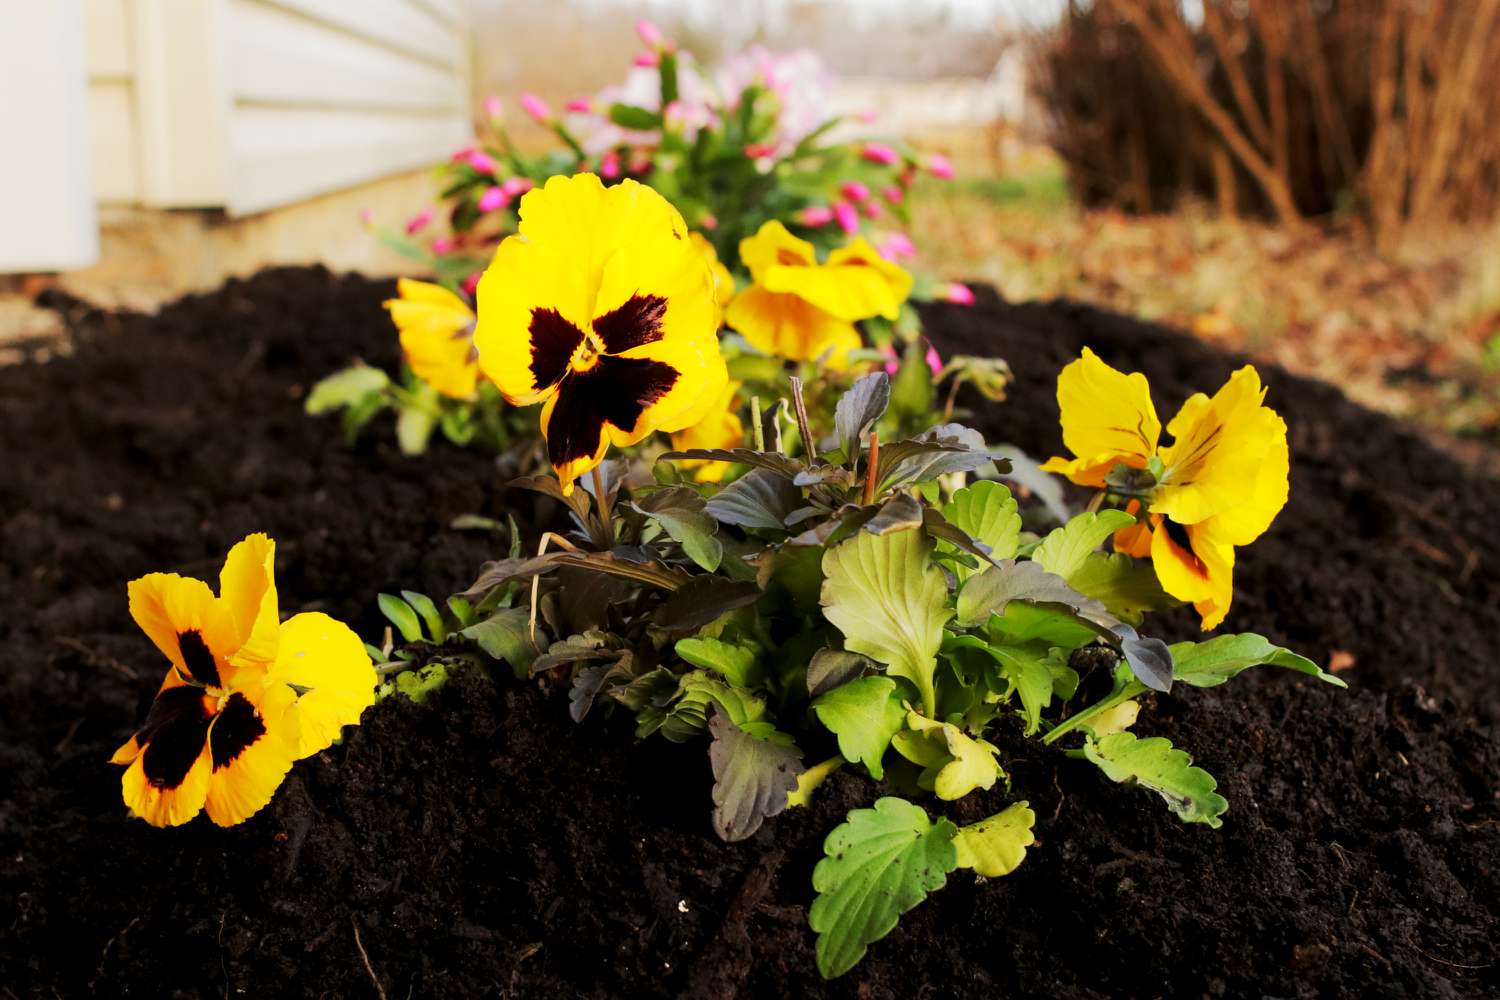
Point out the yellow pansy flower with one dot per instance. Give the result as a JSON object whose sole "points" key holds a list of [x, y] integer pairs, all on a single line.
{"points": [[723, 280], [1219, 484], [721, 427], [437, 336], [799, 309], [600, 308], [246, 695]]}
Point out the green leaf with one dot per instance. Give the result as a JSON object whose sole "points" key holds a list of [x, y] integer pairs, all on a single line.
{"points": [[422, 605], [755, 770], [911, 390], [344, 388], [989, 514], [735, 662], [864, 714], [506, 635], [996, 846], [414, 427], [1155, 764], [1065, 549], [701, 600], [417, 685], [991, 591], [1027, 669], [830, 668], [954, 763], [858, 409], [401, 615], [884, 594], [1207, 664], [697, 692], [1127, 587], [631, 117], [880, 863], [680, 512]]}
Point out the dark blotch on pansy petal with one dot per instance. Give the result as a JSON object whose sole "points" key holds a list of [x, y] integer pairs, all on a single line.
{"points": [[1184, 541], [173, 735], [198, 658], [637, 321], [553, 341], [615, 391], [235, 730]]}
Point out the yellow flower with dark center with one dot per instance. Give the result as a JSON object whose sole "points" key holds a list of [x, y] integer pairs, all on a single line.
{"points": [[1219, 484], [721, 427], [600, 308], [799, 309], [437, 335], [723, 280], [246, 695]]}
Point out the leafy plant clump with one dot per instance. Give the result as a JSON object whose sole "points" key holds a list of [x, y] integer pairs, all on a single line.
{"points": [[878, 593]]}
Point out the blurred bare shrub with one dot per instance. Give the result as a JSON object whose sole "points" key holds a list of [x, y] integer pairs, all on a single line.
{"points": [[1293, 108]]}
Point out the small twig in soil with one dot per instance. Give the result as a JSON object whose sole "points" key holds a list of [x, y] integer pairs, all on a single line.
{"points": [[365, 956], [1454, 965], [536, 581]]}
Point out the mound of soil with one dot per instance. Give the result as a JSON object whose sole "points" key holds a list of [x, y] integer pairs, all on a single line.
{"points": [[483, 845]]}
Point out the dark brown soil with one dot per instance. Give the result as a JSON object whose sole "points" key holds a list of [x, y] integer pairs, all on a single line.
{"points": [[483, 845]]}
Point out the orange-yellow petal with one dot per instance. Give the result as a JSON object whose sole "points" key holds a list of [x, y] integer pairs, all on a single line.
{"points": [[247, 588], [1192, 565], [786, 326], [327, 663], [252, 744], [192, 627], [1218, 447]]}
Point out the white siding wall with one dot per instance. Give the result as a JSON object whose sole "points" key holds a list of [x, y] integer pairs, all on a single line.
{"points": [[250, 104]]}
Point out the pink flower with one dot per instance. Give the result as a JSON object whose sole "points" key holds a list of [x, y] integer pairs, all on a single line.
{"points": [[420, 221], [651, 35], [879, 152], [958, 293], [854, 191], [366, 217], [709, 222], [482, 162], [867, 116], [493, 199], [580, 106], [755, 150], [536, 108], [609, 165], [815, 216], [847, 216], [893, 194], [940, 166], [471, 283], [894, 364], [442, 245], [934, 361], [896, 246], [871, 209], [463, 155], [514, 186], [494, 108], [648, 60]]}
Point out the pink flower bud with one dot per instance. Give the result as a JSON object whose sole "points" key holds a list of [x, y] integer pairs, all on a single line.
{"points": [[482, 162], [580, 106], [894, 364], [493, 199], [940, 166], [867, 116], [847, 216], [879, 152], [648, 60], [536, 108], [609, 165], [419, 222], [650, 34], [471, 283], [934, 361], [709, 222], [958, 293], [366, 217], [442, 245], [640, 165], [893, 194], [755, 150], [896, 246], [906, 177], [462, 156], [854, 191], [815, 216], [515, 186], [494, 108], [871, 209]]}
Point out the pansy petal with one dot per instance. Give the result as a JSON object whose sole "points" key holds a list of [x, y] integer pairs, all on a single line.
{"points": [[579, 441], [1248, 520], [774, 246], [191, 626], [1107, 419], [326, 661], [855, 284], [1192, 565], [1218, 446], [163, 806], [252, 744], [859, 253], [167, 780], [702, 378], [446, 361], [785, 326], [247, 588], [428, 294]]}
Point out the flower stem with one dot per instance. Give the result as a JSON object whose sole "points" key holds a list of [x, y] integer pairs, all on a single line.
{"points": [[871, 466], [756, 428], [1130, 690], [802, 426], [602, 507]]}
